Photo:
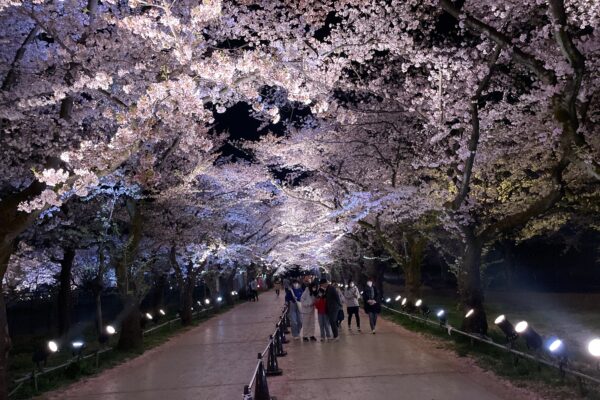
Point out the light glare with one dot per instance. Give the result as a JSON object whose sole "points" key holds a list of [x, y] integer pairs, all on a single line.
{"points": [[469, 313], [110, 330], [52, 346], [521, 327], [555, 345], [500, 319], [418, 303], [594, 347]]}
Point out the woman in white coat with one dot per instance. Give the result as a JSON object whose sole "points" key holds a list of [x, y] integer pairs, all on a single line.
{"points": [[307, 308]]}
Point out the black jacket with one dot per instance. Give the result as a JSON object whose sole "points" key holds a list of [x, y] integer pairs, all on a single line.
{"points": [[332, 299], [376, 308]]}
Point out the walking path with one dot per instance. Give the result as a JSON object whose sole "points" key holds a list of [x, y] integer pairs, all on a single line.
{"points": [[211, 361], [216, 359], [392, 364]]}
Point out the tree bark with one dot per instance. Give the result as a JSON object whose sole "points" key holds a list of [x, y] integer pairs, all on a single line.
{"points": [[64, 292], [131, 329], [469, 285], [412, 268], [186, 303]]}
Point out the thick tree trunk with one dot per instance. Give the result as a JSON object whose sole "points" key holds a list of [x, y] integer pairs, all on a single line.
{"points": [[64, 292], [469, 286], [186, 303], [98, 304], [412, 268], [227, 288], [5, 344], [131, 329]]}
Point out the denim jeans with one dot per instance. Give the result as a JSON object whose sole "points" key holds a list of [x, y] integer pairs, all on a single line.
{"points": [[372, 320], [324, 326], [295, 319]]}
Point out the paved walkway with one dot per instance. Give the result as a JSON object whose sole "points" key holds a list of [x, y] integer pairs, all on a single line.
{"points": [[392, 364], [216, 359], [212, 361]]}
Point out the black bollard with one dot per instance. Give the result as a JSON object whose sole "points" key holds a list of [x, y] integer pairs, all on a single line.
{"points": [[272, 365], [278, 344], [247, 395], [261, 388], [282, 336], [286, 323]]}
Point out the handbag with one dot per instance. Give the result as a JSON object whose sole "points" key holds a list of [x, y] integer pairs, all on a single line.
{"points": [[340, 315]]}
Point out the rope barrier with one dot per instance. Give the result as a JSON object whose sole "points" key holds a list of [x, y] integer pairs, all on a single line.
{"points": [[521, 354], [259, 369]]}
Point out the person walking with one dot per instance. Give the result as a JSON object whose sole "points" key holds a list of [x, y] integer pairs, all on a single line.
{"points": [[277, 286], [351, 294], [371, 302], [292, 299], [321, 306], [334, 304], [307, 308]]}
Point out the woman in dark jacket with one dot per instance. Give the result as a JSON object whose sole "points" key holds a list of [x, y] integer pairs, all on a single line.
{"points": [[371, 302]]}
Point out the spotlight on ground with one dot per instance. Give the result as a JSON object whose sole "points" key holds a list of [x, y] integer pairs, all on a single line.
{"points": [[207, 301], [110, 330], [398, 298], [78, 347], [507, 328], [219, 299], [470, 313], [422, 307], [52, 346], [388, 300], [441, 315], [418, 303], [557, 349], [105, 335], [233, 293], [162, 312], [404, 300], [149, 316], [594, 347], [532, 339]]}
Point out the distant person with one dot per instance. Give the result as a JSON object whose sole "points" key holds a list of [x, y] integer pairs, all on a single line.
{"points": [[307, 303], [334, 304], [292, 299], [277, 286], [371, 302], [351, 294], [253, 290], [321, 306]]}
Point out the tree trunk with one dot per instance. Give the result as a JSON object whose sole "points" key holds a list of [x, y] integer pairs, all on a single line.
{"points": [[131, 329], [64, 292], [158, 295], [469, 286], [412, 268], [227, 288], [186, 302], [98, 303], [5, 344]]}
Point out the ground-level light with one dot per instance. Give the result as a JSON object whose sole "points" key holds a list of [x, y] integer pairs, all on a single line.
{"points": [[398, 298], [532, 339], [418, 303], [149, 316], [52, 346], [219, 299], [594, 347], [162, 312], [469, 313], [507, 328], [404, 301], [388, 300], [207, 301], [110, 330], [78, 347], [441, 315]]}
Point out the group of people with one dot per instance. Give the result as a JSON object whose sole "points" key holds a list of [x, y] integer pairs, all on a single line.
{"points": [[327, 300]]}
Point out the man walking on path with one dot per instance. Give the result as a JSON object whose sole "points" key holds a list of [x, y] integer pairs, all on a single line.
{"points": [[334, 305], [292, 298]]}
